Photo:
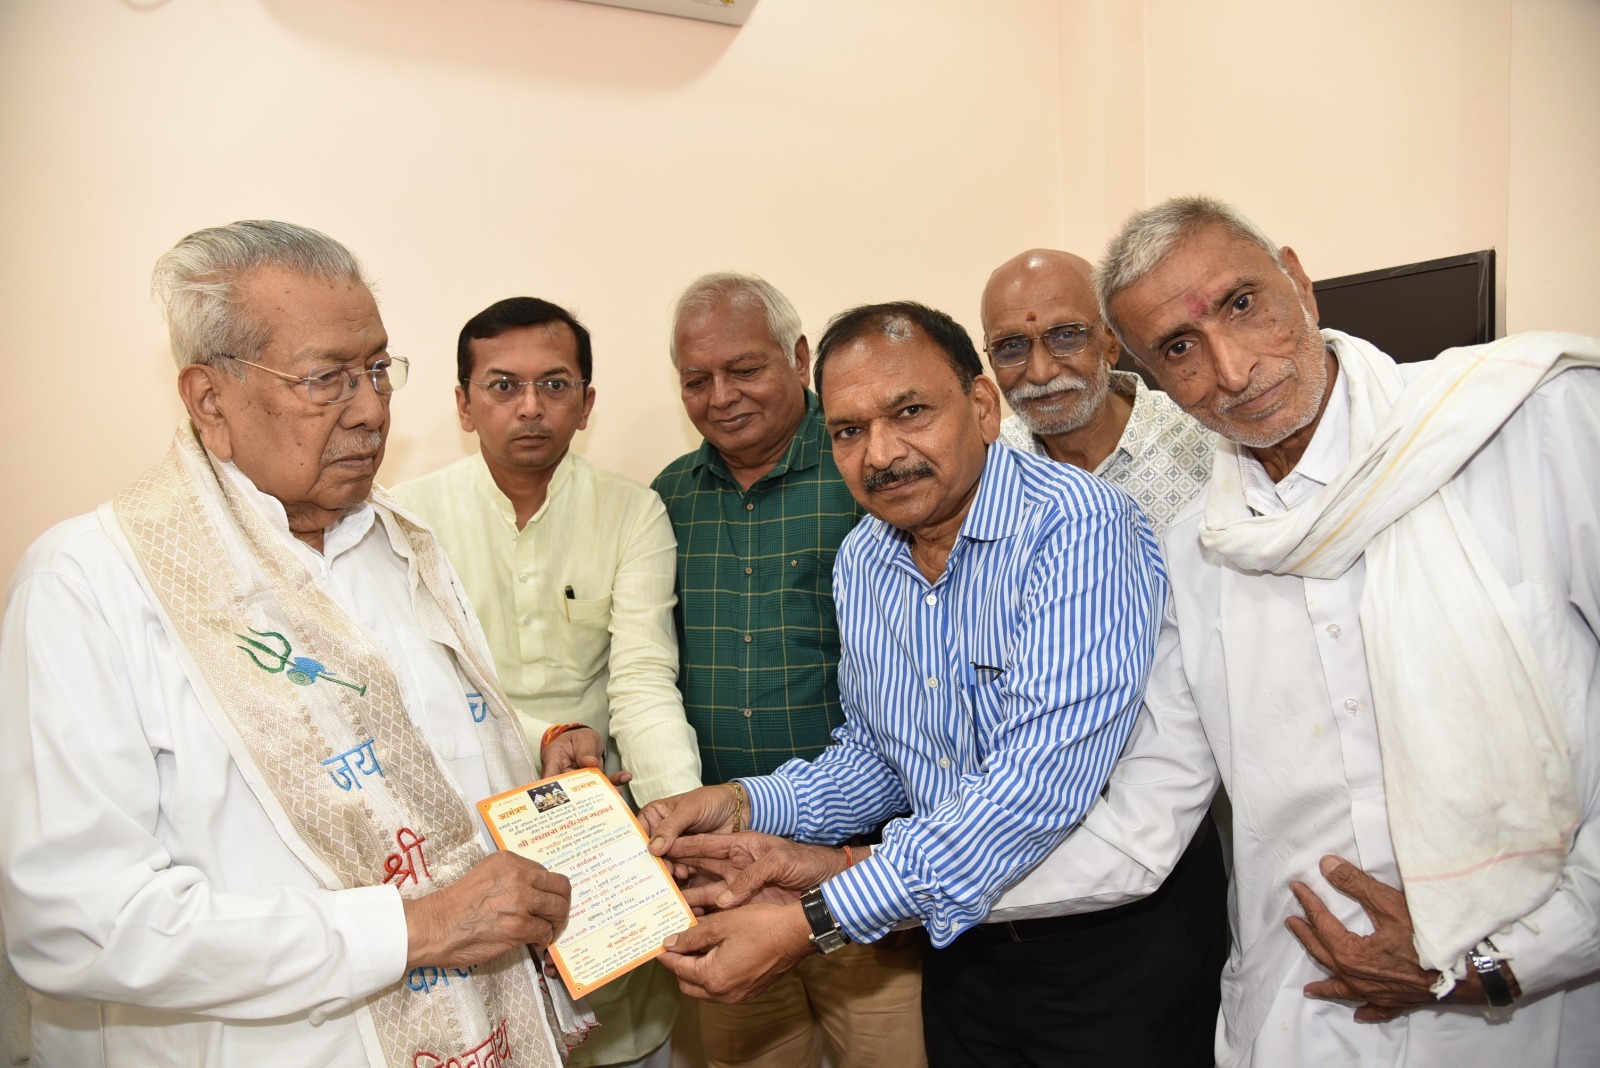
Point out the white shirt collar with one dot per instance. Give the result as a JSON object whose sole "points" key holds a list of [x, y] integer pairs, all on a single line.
{"points": [[342, 536]]}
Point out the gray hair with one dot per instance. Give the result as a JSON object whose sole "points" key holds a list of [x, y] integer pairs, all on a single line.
{"points": [[198, 279], [725, 289], [1149, 236]]}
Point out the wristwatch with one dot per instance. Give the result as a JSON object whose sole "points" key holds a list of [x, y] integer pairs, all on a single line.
{"points": [[826, 934], [1493, 979]]}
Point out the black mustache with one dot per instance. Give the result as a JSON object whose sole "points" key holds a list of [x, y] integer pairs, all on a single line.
{"points": [[896, 473]]}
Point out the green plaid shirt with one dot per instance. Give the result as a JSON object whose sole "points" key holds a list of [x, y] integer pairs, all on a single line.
{"points": [[756, 631]]}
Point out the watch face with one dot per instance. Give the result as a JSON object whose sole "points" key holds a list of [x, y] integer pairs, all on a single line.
{"points": [[825, 933]]}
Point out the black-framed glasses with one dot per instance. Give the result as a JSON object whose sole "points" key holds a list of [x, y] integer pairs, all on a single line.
{"points": [[337, 384], [557, 390], [1064, 339]]}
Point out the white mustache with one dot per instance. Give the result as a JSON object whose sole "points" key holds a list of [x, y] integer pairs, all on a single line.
{"points": [[1062, 383], [366, 445], [1230, 403]]}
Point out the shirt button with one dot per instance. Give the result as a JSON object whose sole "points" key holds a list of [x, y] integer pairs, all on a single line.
{"points": [[932, 598], [750, 506], [749, 571], [794, 563], [522, 577], [1352, 705], [1333, 631], [747, 713], [525, 620], [748, 639], [944, 762], [933, 683]]}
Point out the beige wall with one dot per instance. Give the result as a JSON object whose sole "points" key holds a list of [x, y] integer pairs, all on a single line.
{"points": [[1364, 133], [849, 151], [1554, 208], [478, 149]]}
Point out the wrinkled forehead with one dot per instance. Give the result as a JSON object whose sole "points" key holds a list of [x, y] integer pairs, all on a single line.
{"points": [[275, 298], [724, 330], [1192, 280], [1033, 295], [888, 367]]}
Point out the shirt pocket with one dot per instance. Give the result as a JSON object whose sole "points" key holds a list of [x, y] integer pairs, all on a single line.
{"points": [[805, 576], [586, 634]]}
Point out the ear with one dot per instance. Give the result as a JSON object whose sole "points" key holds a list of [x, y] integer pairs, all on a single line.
{"points": [[986, 400], [1113, 348], [198, 387], [802, 360], [588, 406], [464, 412], [1302, 281]]}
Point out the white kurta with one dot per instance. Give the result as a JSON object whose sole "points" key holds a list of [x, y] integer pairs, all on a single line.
{"points": [[146, 893], [1286, 707]]}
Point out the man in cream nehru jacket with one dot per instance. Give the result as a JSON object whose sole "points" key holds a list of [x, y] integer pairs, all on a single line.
{"points": [[570, 570]]}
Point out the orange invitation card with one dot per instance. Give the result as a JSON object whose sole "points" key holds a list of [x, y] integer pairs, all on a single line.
{"points": [[624, 902]]}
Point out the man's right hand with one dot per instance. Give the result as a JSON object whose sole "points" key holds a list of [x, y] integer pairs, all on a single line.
{"points": [[503, 902], [744, 865], [708, 810]]}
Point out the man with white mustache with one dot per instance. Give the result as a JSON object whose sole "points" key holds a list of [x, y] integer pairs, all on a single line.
{"points": [[247, 716], [1053, 358]]}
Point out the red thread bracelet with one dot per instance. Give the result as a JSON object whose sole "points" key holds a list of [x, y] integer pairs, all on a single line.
{"points": [[557, 731]]}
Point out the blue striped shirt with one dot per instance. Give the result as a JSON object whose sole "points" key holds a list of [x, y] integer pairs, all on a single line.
{"points": [[986, 709]]}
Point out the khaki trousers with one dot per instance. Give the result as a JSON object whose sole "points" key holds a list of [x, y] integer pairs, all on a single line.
{"points": [[866, 1000]]}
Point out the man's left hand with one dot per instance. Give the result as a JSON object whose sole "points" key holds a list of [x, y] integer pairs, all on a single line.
{"points": [[733, 956], [580, 747], [1380, 970]]}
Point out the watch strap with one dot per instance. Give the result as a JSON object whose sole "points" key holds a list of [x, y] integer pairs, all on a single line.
{"points": [[1495, 986]]}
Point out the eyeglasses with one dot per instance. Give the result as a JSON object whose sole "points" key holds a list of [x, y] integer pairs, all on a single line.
{"points": [[1067, 339], [509, 390], [337, 385]]}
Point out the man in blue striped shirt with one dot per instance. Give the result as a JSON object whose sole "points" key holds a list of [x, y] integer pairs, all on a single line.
{"points": [[998, 615]]}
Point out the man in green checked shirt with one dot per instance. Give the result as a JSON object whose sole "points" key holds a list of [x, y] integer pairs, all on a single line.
{"points": [[759, 511]]}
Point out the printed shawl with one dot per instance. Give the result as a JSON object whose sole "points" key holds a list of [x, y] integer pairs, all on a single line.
{"points": [[312, 713], [1476, 766]]}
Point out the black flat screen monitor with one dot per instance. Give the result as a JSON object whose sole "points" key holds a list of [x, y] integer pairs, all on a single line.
{"points": [[1417, 311]]}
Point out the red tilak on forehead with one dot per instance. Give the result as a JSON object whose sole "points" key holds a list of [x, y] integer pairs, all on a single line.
{"points": [[1197, 304]]}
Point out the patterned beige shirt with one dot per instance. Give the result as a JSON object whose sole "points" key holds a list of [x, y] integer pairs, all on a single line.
{"points": [[1163, 459]]}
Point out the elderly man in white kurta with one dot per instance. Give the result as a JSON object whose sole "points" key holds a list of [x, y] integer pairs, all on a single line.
{"points": [[1383, 618], [237, 755]]}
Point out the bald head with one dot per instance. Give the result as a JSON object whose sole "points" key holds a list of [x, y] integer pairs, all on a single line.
{"points": [[1034, 271], [1058, 383]]}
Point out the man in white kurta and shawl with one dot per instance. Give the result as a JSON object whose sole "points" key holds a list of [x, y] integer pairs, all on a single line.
{"points": [[1383, 617], [244, 715]]}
